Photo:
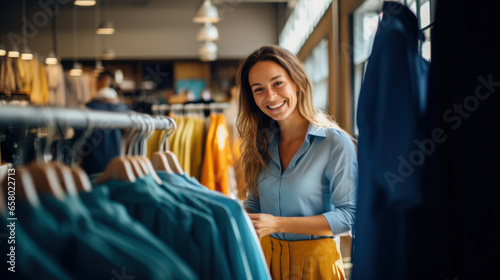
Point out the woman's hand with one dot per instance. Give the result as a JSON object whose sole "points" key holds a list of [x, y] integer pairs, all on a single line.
{"points": [[264, 224]]}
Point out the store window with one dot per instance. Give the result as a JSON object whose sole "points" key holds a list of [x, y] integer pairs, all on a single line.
{"points": [[301, 23], [316, 65], [365, 23]]}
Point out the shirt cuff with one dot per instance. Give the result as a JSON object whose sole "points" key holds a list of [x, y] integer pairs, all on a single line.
{"points": [[336, 222], [252, 205]]}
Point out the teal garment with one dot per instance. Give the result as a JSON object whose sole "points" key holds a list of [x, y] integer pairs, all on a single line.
{"points": [[31, 261], [231, 237], [77, 249], [114, 215], [190, 233], [132, 260], [250, 240]]}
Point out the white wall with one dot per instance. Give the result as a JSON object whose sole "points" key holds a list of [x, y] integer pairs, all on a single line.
{"points": [[158, 30]]}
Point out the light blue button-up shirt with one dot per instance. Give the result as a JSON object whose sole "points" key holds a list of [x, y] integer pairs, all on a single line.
{"points": [[321, 179]]}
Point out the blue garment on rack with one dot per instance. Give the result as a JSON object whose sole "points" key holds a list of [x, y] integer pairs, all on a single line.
{"points": [[67, 243], [390, 118], [31, 261], [192, 234], [256, 259], [103, 144], [131, 258], [229, 232], [114, 215]]}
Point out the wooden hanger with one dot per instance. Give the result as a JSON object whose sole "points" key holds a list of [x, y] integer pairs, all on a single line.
{"points": [[159, 159], [81, 179], [140, 169], [64, 173], [143, 149], [43, 172], [171, 157], [119, 168]]}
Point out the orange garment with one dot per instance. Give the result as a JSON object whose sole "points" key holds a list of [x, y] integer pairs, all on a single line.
{"points": [[308, 259], [207, 171], [222, 156], [197, 147]]}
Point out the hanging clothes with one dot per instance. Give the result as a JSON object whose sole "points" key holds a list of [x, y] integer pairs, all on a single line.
{"points": [[56, 84], [78, 92], [390, 117], [164, 227], [104, 144], [39, 89], [208, 167], [8, 79], [249, 240], [182, 228]]}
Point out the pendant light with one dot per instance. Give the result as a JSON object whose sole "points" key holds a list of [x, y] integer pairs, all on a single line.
{"points": [[14, 52], [208, 51], [208, 33], [26, 55], [3, 52], [85, 3], [207, 13], [77, 67], [51, 59], [108, 54], [106, 26], [76, 70]]}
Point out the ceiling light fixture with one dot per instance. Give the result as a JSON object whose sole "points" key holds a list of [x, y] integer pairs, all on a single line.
{"points": [[26, 55], [77, 68], [13, 53], [207, 13], [208, 33], [51, 59], [105, 28], [85, 3], [108, 54], [208, 51], [3, 52]]}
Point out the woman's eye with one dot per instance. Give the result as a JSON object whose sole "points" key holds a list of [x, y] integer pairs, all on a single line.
{"points": [[278, 83], [257, 90]]}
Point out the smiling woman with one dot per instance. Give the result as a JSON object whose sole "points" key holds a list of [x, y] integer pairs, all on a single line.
{"points": [[299, 165]]}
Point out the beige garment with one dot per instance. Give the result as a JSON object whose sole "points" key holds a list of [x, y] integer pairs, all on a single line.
{"points": [[17, 73], [78, 92], [9, 79], [56, 85]]}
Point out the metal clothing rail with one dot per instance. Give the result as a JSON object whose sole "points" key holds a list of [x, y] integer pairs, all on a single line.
{"points": [[77, 118], [189, 107]]}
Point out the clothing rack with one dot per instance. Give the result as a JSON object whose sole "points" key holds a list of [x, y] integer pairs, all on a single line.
{"points": [[76, 118], [159, 109]]}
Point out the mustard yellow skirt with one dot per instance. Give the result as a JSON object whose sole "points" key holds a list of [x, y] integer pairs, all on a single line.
{"points": [[309, 259]]}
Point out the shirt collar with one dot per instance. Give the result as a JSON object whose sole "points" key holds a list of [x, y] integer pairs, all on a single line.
{"points": [[312, 130]]}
